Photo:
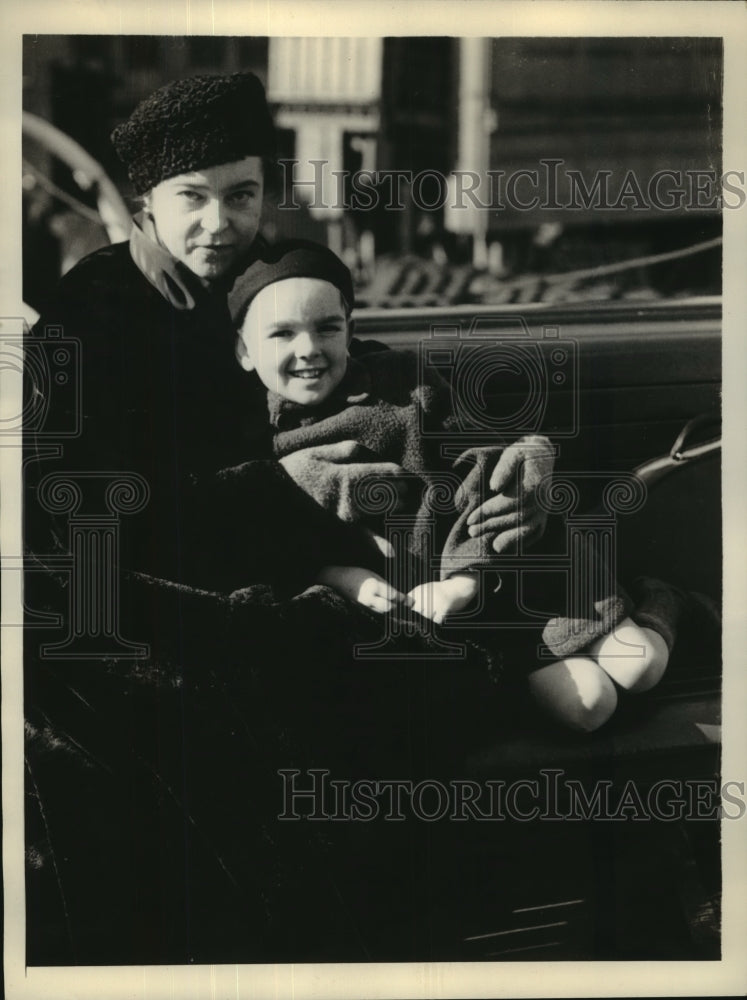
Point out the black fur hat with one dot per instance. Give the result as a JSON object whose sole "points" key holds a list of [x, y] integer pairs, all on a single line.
{"points": [[190, 124], [289, 259]]}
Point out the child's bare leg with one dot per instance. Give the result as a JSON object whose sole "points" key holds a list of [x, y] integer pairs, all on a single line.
{"points": [[579, 691], [575, 692], [636, 654], [440, 598], [635, 657]]}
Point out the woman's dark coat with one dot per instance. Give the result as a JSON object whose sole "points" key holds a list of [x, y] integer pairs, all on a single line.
{"points": [[152, 779]]}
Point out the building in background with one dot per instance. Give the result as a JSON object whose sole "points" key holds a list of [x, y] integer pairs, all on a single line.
{"points": [[538, 122]]}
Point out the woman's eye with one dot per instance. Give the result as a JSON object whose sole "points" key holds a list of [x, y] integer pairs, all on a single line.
{"points": [[191, 196], [242, 198]]}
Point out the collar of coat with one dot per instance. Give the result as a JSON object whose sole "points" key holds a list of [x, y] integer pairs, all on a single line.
{"points": [[354, 389], [176, 283]]}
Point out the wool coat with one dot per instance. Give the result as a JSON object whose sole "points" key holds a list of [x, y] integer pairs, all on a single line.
{"points": [[158, 719], [403, 412], [403, 415]]}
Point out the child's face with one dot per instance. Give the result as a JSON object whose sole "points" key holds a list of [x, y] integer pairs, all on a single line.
{"points": [[296, 338]]}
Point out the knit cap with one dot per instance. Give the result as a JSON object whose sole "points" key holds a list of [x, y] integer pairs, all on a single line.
{"points": [[289, 259], [191, 124]]}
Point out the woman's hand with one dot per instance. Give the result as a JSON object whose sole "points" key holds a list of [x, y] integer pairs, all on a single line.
{"points": [[363, 586], [513, 514]]}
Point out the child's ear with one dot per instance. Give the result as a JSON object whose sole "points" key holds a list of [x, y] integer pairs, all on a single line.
{"points": [[243, 356]]}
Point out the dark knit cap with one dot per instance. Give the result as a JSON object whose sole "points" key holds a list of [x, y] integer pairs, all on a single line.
{"points": [[202, 121], [289, 259]]}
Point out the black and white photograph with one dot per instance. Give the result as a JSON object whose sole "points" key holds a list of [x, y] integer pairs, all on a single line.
{"points": [[373, 481]]}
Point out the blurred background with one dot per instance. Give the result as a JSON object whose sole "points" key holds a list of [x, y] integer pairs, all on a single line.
{"points": [[603, 107]]}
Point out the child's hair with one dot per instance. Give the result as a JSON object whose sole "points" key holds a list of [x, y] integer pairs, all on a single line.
{"points": [[290, 259]]}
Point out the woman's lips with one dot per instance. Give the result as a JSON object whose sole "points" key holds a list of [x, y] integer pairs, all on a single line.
{"points": [[218, 248]]}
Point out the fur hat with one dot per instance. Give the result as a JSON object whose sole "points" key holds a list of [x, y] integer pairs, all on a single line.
{"points": [[190, 124], [289, 259]]}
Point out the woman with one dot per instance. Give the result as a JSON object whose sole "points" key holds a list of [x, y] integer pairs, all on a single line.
{"points": [[139, 765]]}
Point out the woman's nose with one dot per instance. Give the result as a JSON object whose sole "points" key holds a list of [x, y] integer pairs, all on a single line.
{"points": [[213, 217]]}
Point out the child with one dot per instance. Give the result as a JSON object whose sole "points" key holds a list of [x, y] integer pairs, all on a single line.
{"points": [[293, 309]]}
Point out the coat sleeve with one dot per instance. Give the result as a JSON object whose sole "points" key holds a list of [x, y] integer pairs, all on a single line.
{"points": [[210, 530], [461, 552], [452, 439]]}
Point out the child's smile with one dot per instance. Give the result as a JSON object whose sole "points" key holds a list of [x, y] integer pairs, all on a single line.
{"points": [[308, 373], [296, 338]]}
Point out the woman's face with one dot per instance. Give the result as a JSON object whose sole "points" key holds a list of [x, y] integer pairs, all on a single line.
{"points": [[208, 219]]}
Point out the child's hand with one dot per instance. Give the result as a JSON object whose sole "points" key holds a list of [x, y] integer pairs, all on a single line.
{"points": [[363, 586], [440, 598]]}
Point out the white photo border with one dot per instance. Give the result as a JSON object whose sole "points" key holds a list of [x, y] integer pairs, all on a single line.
{"points": [[397, 17]]}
